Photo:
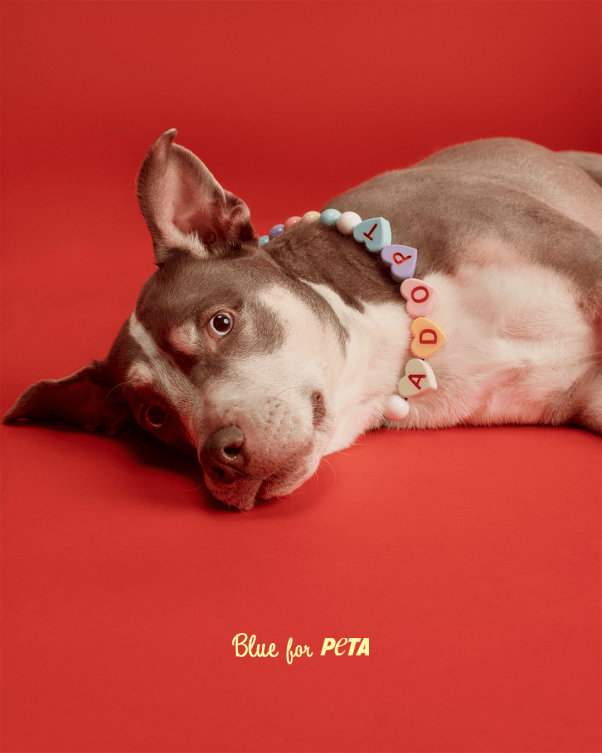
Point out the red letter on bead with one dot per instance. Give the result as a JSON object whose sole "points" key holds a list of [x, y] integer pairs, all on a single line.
{"points": [[399, 258], [415, 379], [419, 300], [372, 229], [424, 341]]}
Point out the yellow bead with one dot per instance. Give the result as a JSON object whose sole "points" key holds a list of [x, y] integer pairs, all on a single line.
{"points": [[311, 215]]}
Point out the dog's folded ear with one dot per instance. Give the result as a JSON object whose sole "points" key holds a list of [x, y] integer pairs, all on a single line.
{"points": [[83, 399], [184, 206]]}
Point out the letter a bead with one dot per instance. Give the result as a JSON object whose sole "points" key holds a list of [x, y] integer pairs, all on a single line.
{"points": [[375, 233], [419, 379], [428, 338]]}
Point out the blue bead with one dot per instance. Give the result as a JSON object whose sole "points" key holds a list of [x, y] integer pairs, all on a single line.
{"points": [[330, 217], [276, 230], [263, 240]]}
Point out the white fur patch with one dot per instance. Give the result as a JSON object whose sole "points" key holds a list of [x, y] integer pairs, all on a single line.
{"points": [[166, 377], [517, 340], [378, 343], [139, 374], [190, 241], [185, 338]]}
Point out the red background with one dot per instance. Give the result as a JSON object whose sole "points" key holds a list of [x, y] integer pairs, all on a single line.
{"points": [[469, 557]]}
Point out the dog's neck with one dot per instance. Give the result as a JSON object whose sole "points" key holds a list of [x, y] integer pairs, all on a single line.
{"points": [[375, 233]]}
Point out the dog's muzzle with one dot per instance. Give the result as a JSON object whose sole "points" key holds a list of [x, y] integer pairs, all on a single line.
{"points": [[222, 456]]}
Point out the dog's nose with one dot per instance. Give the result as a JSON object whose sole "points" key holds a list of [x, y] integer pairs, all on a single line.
{"points": [[222, 456]]}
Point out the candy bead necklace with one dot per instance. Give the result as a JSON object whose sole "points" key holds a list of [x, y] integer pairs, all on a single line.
{"points": [[375, 234]]}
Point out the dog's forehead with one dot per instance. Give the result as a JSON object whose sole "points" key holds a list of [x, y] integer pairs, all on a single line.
{"points": [[186, 286], [177, 302]]}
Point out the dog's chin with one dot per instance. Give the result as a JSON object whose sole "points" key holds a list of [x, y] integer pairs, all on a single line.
{"points": [[243, 494], [240, 494]]}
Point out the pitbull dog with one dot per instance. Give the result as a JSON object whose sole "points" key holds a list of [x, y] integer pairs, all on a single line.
{"points": [[262, 359]]}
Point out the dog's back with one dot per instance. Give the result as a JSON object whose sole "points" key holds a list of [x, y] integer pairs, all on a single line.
{"points": [[510, 234]]}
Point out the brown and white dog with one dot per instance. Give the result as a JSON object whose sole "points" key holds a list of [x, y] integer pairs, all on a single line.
{"points": [[261, 360]]}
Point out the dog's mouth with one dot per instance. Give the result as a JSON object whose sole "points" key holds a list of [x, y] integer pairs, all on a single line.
{"points": [[242, 491]]}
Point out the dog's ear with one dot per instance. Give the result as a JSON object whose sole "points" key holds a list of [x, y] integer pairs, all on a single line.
{"points": [[184, 206], [84, 399]]}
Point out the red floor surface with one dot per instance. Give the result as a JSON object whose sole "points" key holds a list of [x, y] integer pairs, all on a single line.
{"points": [[475, 573]]}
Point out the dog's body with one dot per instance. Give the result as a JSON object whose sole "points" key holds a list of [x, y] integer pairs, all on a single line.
{"points": [[263, 360]]}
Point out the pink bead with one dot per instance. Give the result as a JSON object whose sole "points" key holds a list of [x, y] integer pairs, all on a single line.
{"points": [[291, 221], [421, 298], [347, 221], [396, 408]]}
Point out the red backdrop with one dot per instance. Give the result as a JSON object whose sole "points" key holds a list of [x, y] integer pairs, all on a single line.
{"points": [[477, 583]]}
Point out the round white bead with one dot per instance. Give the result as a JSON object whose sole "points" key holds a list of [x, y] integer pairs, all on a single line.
{"points": [[347, 221], [396, 408]]}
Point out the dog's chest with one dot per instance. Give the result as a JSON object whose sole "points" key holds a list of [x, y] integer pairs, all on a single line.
{"points": [[517, 342]]}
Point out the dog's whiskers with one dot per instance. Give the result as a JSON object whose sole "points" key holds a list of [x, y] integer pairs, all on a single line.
{"points": [[121, 384]]}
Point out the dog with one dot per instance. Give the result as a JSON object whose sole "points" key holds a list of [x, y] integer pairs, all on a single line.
{"points": [[259, 359]]}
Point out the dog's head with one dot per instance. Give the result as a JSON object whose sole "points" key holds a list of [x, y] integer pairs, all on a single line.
{"points": [[226, 355]]}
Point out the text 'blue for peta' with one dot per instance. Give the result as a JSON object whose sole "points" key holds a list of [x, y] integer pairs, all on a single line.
{"points": [[248, 646]]}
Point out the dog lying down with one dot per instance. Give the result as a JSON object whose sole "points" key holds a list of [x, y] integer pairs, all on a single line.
{"points": [[260, 358]]}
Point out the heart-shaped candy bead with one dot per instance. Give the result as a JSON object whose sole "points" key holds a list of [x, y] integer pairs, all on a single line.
{"points": [[421, 298], [428, 338], [402, 260], [375, 233], [418, 380]]}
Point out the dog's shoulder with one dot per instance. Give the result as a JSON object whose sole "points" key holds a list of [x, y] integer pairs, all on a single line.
{"points": [[472, 203]]}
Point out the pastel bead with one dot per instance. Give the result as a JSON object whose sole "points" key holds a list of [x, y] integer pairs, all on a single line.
{"points": [[402, 260], [421, 298], [311, 215], [418, 380], [396, 408], [330, 217], [276, 231], [264, 239], [347, 221], [291, 221], [428, 337], [374, 233]]}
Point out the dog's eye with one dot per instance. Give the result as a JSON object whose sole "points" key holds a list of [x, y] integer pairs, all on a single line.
{"points": [[221, 324], [154, 416]]}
